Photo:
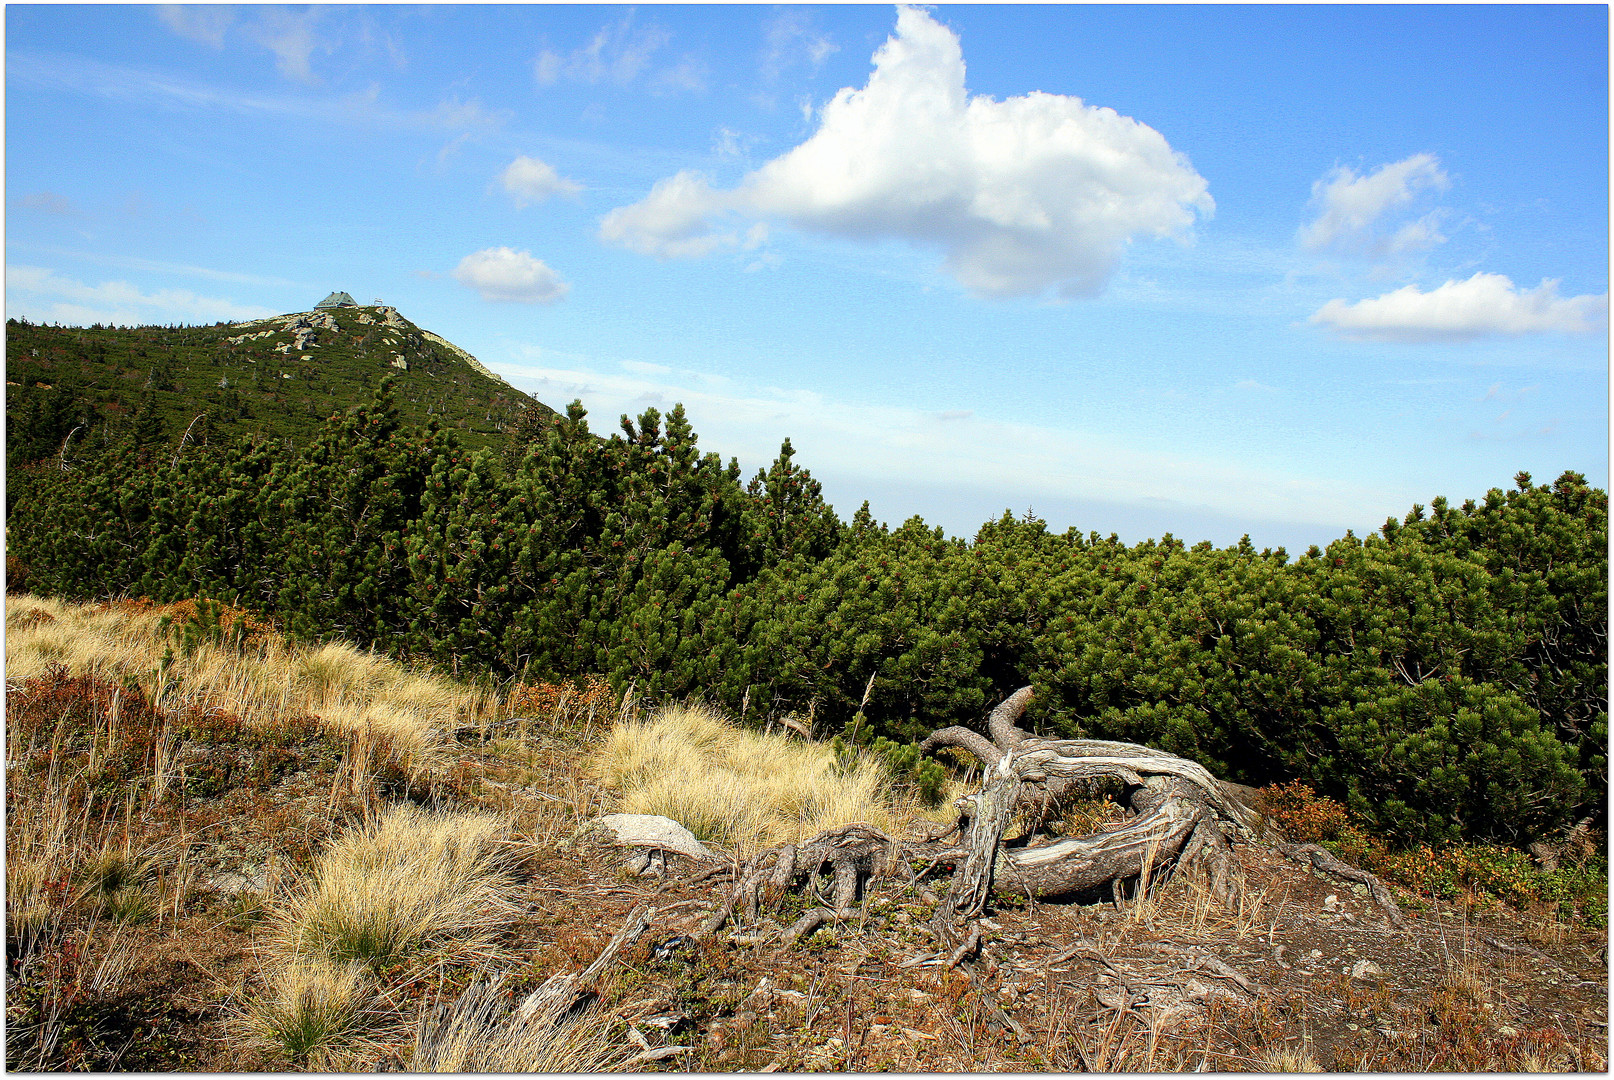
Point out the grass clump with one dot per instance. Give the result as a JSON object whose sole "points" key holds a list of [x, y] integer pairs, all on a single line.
{"points": [[413, 882], [744, 788], [316, 1013], [479, 1032]]}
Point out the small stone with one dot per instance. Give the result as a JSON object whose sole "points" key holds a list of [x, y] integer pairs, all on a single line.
{"points": [[1315, 954], [1366, 969], [1506, 1031], [1331, 903]]}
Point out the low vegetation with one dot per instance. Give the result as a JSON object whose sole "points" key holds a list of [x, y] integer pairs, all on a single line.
{"points": [[207, 874]]}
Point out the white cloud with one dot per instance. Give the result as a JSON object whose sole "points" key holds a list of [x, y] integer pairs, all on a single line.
{"points": [[1351, 205], [529, 180], [1035, 192], [1485, 304], [292, 38], [1420, 235], [42, 295], [689, 75], [503, 274], [364, 108], [672, 221]]}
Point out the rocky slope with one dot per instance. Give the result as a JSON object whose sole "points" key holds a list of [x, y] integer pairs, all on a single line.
{"points": [[277, 376]]}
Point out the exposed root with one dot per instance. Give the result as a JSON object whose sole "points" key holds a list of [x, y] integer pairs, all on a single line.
{"points": [[1347, 874]]}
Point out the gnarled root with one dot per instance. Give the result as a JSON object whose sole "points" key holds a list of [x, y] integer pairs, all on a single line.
{"points": [[851, 854]]}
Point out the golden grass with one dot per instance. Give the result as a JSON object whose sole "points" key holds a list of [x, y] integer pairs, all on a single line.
{"points": [[1284, 1058], [479, 1033], [411, 883], [744, 788], [347, 688]]}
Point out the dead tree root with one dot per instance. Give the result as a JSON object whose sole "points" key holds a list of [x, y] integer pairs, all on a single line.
{"points": [[1325, 862]]}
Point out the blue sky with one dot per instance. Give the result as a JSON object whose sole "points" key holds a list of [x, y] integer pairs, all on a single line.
{"points": [[1206, 270]]}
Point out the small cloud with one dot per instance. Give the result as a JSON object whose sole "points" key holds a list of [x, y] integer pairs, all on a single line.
{"points": [[203, 23], [1253, 385], [955, 414], [452, 114], [547, 67], [292, 37], [1351, 205], [728, 143], [1484, 305], [1415, 236], [639, 367], [529, 180], [672, 221], [501, 274]]}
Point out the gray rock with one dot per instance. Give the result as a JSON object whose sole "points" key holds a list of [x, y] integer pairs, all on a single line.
{"points": [[651, 831], [247, 879], [1366, 969]]}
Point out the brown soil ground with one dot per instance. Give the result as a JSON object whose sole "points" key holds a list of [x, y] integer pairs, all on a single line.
{"points": [[1171, 983]]}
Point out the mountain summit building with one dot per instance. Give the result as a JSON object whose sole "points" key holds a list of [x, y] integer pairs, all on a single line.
{"points": [[336, 299]]}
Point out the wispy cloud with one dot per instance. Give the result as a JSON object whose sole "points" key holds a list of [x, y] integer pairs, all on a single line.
{"points": [[1034, 193], [791, 37], [131, 262], [883, 444], [203, 23], [621, 54], [49, 202], [1352, 209], [40, 294], [1483, 306], [291, 36], [115, 82]]}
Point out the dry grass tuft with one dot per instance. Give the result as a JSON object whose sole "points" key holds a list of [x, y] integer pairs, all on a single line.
{"points": [[413, 882], [316, 1013], [731, 786], [1287, 1058], [1469, 980], [479, 1032]]}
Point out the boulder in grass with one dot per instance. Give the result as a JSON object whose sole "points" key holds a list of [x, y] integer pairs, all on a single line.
{"points": [[650, 831]]}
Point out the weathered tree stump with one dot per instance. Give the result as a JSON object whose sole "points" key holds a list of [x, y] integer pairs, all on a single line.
{"points": [[1184, 815]]}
